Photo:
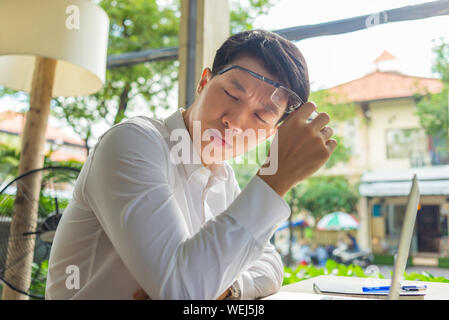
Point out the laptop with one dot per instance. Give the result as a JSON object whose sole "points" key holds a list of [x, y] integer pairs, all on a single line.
{"points": [[353, 287], [405, 241]]}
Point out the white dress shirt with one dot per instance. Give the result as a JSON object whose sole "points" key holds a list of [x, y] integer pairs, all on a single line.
{"points": [[178, 231]]}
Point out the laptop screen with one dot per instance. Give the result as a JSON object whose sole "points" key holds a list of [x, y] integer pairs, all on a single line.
{"points": [[405, 240]]}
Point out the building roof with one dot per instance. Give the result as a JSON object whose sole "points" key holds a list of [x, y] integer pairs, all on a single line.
{"points": [[431, 181], [386, 82], [385, 56], [13, 122], [65, 156], [386, 85], [402, 188]]}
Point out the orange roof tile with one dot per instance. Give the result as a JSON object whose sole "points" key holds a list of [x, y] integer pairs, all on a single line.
{"points": [[65, 156], [386, 85], [14, 121], [385, 56]]}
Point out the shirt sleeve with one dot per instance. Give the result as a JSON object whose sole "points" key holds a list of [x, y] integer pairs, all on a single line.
{"points": [[127, 187], [265, 276]]}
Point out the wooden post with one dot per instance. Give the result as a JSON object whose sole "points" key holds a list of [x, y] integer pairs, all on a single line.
{"points": [[20, 254], [364, 228], [204, 26]]}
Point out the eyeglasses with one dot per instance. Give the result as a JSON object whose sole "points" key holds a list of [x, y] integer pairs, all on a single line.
{"points": [[281, 95]]}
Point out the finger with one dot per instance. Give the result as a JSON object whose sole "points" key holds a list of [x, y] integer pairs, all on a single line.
{"points": [[327, 132], [331, 144], [140, 295], [305, 111], [320, 121]]}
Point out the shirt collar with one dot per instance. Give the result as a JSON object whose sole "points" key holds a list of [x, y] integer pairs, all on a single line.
{"points": [[218, 170]]}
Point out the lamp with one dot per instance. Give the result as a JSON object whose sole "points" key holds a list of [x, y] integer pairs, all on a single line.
{"points": [[48, 48]]}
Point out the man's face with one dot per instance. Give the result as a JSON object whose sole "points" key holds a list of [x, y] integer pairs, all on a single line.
{"points": [[237, 107]]}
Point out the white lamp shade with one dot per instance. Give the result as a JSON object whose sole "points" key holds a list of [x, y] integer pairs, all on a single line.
{"points": [[75, 32]]}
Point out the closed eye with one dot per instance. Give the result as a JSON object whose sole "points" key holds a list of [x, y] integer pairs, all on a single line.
{"points": [[260, 118], [236, 99], [230, 95]]}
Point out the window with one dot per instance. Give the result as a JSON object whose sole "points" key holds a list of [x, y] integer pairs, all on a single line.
{"points": [[406, 144], [351, 137]]}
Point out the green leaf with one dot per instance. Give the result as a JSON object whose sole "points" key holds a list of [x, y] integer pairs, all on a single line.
{"points": [[359, 272], [330, 265]]}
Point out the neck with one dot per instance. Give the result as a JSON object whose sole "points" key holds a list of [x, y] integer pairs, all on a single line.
{"points": [[188, 121]]}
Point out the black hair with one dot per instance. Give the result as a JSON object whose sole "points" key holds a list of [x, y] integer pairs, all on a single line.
{"points": [[280, 56]]}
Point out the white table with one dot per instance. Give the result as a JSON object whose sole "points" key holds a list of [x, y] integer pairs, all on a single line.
{"points": [[435, 290]]}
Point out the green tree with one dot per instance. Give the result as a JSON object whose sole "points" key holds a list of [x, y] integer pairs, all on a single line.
{"points": [[323, 194], [336, 105], [432, 108], [320, 195], [5, 91], [243, 13], [9, 161], [135, 25], [441, 65], [339, 109]]}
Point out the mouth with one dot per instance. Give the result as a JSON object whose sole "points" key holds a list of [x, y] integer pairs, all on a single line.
{"points": [[223, 142]]}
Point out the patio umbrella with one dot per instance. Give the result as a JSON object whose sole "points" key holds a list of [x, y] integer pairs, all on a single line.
{"points": [[338, 221], [303, 219], [296, 223]]}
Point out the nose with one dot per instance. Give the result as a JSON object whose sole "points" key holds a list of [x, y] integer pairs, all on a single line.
{"points": [[232, 123]]}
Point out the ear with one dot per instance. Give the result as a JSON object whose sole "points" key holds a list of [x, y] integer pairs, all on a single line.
{"points": [[205, 77]]}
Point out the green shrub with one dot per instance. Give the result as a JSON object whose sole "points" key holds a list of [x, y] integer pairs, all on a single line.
{"points": [[39, 276], [443, 262], [336, 269], [303, 272], [424, 276]]}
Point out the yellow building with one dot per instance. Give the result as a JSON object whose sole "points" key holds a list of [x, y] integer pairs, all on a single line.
{"points": [[388, 146]]}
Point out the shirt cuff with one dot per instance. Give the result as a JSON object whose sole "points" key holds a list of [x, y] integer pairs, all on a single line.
{"points": [[246, 285], [259, 209]]}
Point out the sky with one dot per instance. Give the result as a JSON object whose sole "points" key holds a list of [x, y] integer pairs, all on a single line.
{"points": [[337, 59], [333, 60]]}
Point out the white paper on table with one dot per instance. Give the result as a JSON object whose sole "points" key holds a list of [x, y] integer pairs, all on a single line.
{"points": [[288, 295]]}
